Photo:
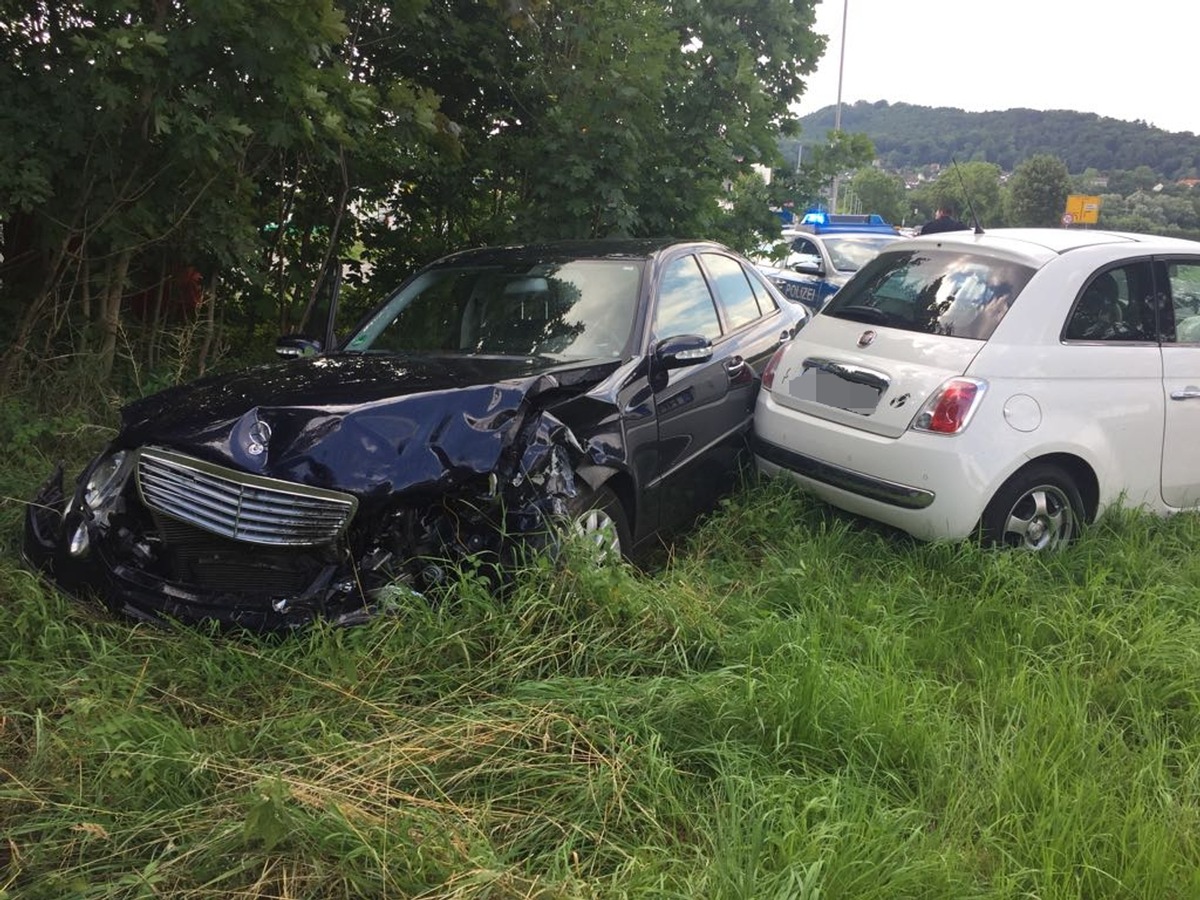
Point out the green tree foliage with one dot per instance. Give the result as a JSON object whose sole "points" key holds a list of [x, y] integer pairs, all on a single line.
{"points": [[971, 188], [250, 145], [1140, 178], [881, 192], [154, 138], [613, 117], [748, 218], [1145, 176], [1038, 191], [906, 136], [808, 184]]}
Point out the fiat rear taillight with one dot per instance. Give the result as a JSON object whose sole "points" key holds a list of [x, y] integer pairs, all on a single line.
{"points": [[950, 408]]}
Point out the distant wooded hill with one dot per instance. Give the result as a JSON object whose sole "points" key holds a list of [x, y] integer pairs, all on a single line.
{"points": [[908, 136]]}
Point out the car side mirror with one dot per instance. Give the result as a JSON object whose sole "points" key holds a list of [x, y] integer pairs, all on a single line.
{"points": [[291, 346], [808, 265], [683, 350]]}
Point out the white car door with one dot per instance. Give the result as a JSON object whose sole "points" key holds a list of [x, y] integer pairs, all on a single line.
{"points": [[1181, 379]]}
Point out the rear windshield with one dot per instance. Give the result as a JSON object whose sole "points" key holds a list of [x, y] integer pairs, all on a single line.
{"points": [[935, 291]]}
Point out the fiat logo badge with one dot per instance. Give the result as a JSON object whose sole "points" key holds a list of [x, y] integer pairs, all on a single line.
{"points": [[260, 433], [867, 338]]}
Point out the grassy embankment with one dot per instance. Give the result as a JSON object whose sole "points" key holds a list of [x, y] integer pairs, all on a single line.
{"points": [[796, 706]]}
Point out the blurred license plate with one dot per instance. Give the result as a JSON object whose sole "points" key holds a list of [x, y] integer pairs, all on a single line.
{"points": [[831, 389]]}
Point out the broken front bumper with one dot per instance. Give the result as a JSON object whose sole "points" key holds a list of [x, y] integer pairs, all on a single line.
{"points": [[86, 560]]}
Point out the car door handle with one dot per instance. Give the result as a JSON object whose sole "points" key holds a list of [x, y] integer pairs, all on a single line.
{"points": [[735, 365], [1191, 392]]}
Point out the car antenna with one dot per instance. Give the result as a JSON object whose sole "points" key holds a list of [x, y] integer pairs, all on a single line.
{"points": [[971, 209]]}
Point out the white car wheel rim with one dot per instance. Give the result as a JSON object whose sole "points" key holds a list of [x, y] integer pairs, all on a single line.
{"points": [[1041, 519]]}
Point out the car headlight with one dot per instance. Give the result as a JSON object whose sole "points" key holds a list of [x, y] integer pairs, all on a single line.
{"points": [[105, 480]]}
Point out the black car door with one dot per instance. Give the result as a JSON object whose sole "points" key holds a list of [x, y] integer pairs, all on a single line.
{"points": [[704, 410]]}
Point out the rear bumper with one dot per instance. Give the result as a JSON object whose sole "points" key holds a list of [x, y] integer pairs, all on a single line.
{"points": [[890, 492], [931, 486]]}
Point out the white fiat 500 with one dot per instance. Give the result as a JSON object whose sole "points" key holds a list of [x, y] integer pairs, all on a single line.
{"points": [[1013, 383]]}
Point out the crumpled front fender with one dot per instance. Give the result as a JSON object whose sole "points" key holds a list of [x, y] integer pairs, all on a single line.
{"points": [[44, 521]]}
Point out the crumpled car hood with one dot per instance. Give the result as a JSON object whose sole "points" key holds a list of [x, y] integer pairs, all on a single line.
{"points": [[415, 423]]}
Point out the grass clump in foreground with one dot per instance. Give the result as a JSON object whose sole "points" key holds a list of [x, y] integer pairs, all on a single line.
{"points": [[795, 706]]}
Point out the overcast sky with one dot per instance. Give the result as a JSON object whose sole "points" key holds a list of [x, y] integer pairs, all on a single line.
{"points": [[1129, 60]]}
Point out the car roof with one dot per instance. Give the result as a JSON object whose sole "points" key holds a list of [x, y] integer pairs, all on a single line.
{"points": [[558, 251], [1037, 246]]}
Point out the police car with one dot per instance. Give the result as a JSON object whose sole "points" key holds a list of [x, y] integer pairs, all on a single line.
{"points": [[815, 258]]}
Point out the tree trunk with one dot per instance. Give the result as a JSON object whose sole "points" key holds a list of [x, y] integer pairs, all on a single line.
{"points": [[111, 311], [85, 298], [155, 323], [330, 247], [209, 302]]}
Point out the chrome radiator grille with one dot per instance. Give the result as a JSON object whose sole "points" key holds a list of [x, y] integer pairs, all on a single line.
{"points": [[240, 506]]}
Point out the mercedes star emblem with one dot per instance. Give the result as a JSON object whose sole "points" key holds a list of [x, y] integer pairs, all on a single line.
{"points": [[260, 433]]}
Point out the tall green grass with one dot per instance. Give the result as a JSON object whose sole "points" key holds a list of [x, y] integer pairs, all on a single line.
{"points": [[795, 705]]}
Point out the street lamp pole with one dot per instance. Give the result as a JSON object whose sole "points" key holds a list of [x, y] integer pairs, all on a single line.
{"points": [[837, 112]]}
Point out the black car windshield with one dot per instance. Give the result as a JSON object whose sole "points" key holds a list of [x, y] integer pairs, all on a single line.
{"points": [[566, 309], [961, 294]]}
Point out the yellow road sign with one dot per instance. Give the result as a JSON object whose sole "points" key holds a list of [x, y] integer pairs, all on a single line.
{"points": [[1084, 209]]}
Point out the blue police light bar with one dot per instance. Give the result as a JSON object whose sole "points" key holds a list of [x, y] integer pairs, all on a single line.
{"points": [[818, 221]]}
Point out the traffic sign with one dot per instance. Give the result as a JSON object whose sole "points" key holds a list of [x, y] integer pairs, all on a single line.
{"points": [[1083, 208]]}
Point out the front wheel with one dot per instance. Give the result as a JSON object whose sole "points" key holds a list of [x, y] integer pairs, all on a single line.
{"points": [[598, 521], [1039, 508]]}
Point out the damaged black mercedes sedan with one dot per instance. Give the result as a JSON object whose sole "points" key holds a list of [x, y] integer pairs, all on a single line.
{"points": [[498, 399]]}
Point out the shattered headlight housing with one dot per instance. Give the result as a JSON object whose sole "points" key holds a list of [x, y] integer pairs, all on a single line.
{"points": [[105, 480], [96, 498]]}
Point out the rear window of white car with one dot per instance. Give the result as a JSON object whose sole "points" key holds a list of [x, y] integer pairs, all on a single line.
{"points": [[934, 291]]}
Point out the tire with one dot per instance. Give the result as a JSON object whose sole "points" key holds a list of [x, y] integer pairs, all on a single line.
{"points": [[1038, 508], [598, 521]]}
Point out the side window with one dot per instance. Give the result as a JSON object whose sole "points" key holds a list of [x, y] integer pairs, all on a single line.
{"points": [[766, 303], [1115, 305], [1183, 276], [807, 250], [685, 305], [733, 290]]}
